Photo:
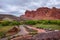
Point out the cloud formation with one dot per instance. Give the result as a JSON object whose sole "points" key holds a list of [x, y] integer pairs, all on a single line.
{"points": [[18, 7]]}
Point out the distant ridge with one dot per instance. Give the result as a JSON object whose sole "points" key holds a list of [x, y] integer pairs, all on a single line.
{"points": [[2, 16]]}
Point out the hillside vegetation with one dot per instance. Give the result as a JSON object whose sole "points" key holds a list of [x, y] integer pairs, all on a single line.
{"points": [[6, 26], [33, 22], [45, 24]]}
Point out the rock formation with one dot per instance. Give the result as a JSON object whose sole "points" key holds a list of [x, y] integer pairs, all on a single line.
{"points": [[42, 13], [12, 31], [55, 35]]}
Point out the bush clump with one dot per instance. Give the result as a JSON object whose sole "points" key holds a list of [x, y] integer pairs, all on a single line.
{"points": [[9, 23], [2, 34], [30, 22], [33, 22]]}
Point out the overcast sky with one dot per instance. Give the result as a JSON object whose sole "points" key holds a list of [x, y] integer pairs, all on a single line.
{"points": [[18, 7]]}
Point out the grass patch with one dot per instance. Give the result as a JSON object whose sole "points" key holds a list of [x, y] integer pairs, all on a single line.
{"points": [[31, 31], [48, 26], [5, 28]]}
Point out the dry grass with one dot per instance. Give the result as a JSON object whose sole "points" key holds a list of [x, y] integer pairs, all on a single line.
{"points": [[48, 26], [5, 28]]}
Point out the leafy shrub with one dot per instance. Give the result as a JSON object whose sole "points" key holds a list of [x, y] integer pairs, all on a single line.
{"points": [[58, 22], [5, 23], [2, 34], [33, 22], [9, 23], [15, 23], [30, 22]]}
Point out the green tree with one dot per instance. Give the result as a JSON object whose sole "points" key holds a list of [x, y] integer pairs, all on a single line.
{"points": [[15, 23], [30, 22], [5, 23]]}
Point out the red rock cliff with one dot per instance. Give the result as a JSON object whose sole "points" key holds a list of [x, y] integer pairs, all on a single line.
{"points": [[43, 13]]}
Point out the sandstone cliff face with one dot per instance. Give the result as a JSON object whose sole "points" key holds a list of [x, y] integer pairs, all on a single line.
{"points": [[43, 13]]}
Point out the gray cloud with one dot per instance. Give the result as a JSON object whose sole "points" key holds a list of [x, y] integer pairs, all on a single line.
{"points": [[18, 7]]}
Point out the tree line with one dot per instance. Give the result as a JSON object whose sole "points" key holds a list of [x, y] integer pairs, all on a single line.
{"points": [[33, 22], [29, 22], [9, 23]]}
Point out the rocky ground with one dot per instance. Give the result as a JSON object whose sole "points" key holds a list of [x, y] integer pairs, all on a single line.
{"points": [[23, 31], [23, 34]]}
